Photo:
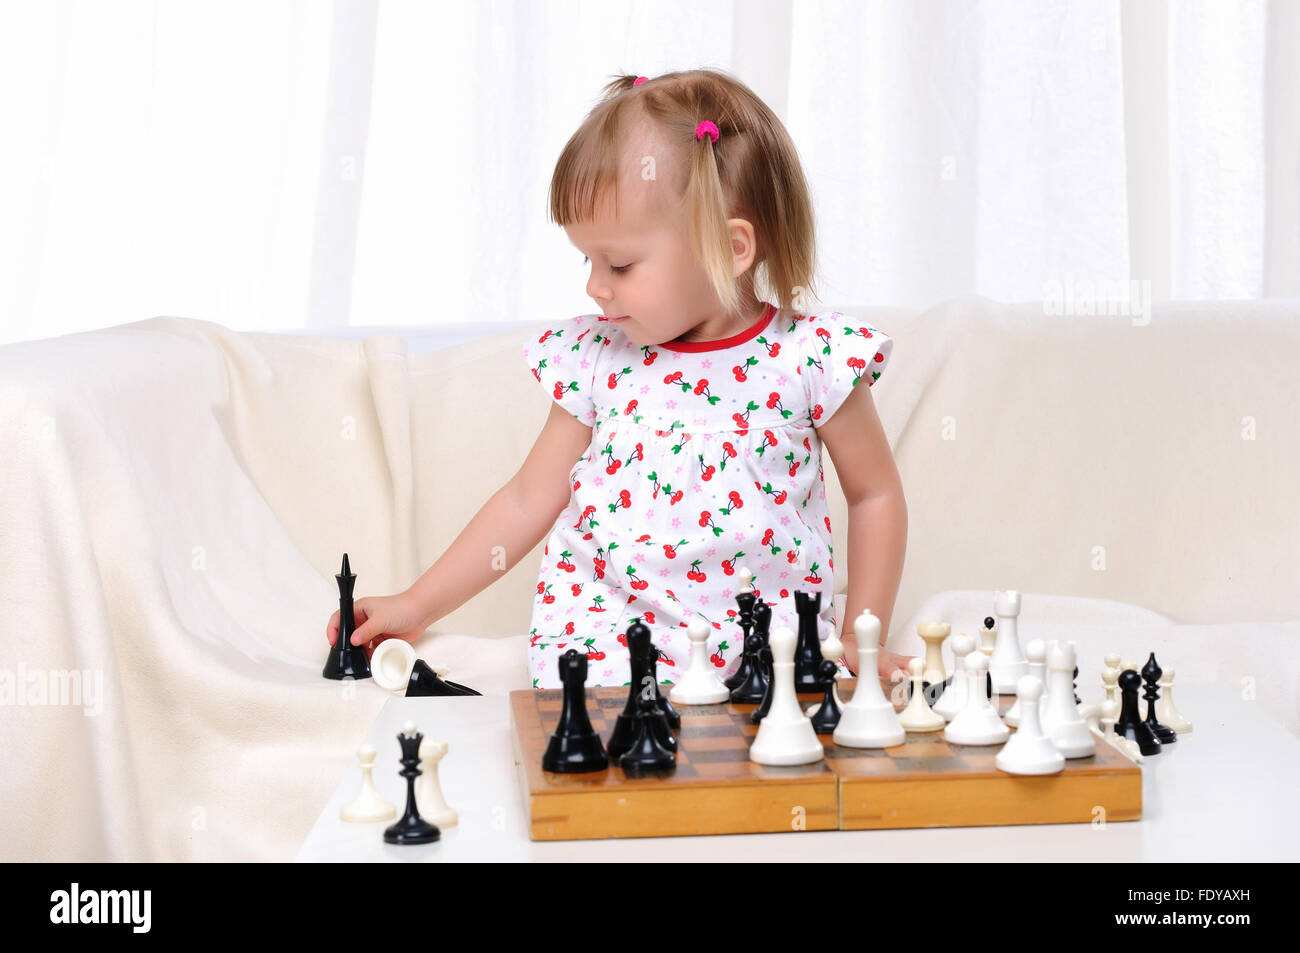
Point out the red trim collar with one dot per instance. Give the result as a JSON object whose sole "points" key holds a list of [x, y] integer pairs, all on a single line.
{"points": [[753, 331]]}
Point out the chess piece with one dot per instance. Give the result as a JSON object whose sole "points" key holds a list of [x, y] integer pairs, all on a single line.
{"points": [[1130, 724], [1110, 680], [648, 753], [1029, 751], [643, 659], [953, 699], [933, 634], [1074, 686], [917, 716], [367, 805], [868, 720], [988, 636], [1007, 663], [699, 684], [745, 600], [574, 747], [411, 828], [785, 735], [395, 668], [345, 659], [1035, 653], [764, 665], [428, 790], [1061, 721], [1165, 709], [1151, 675], [1109, 712], [808, 652], [828, 713], [978, 723], [753, 686]]}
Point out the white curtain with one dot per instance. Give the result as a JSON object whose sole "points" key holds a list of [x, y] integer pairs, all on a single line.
{"points": [[272, 165]]}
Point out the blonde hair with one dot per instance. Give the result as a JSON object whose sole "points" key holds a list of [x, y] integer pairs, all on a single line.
{"points": [[752, 172]]}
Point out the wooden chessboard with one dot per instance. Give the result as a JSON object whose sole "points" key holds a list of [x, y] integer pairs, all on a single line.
{"points": [[716, 789]]}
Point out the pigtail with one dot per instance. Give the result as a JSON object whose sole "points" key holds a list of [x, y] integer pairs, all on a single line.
{"points": [[706, 210]]}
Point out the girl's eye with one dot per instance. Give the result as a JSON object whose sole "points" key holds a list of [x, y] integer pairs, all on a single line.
{"points": [[620, 268]]}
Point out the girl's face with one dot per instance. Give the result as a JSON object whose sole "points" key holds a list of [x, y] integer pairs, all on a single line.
{"points": [[643, 270]]}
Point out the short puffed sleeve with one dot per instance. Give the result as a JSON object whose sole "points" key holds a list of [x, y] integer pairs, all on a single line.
{"points": [[841, 353], [563, 358]]}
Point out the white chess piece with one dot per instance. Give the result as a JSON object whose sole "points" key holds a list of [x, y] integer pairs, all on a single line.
{"points": [[1035, 652], [1061, 720], [428, 791], [1029, 751], [367, 805], [978, 723], [933, 634], [953, 698], [746, 579], [391, 663], [988, 638], [699, 684], [785, 735], [1128, 665], [1110, 680], [918, 716], [1008, 662], [868, 720], [1125, 746], [1166, 713]]}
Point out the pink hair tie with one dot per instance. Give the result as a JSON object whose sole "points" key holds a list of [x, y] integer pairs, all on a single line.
{"points": [[638, 81], [707, 126]]}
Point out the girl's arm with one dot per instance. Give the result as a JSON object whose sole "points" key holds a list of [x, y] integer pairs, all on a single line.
{"points": [[877, 530]]}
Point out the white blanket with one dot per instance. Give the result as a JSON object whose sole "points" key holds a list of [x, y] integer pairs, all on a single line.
{"points": [[175, 499]]}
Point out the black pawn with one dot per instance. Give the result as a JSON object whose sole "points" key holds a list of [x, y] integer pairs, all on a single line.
{"points": [[752, 689], [574, 747], [648, 753], [1130, 723], [808, 649], [643, 659], [745, 601], [345, 659], [827, 715], [412, 828], [764, 660], [1151, 672]]}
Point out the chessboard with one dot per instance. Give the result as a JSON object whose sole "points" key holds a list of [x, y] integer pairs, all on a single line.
{"points": [[716, 789]]}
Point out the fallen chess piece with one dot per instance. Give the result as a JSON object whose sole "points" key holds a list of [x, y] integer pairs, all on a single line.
{"points": [[868, 720], [411, 828], [428, 790], [367, 805], [785, 735], [1109, 712], [699, 684], [345, 659], [1029, 751], [574, 747], [395, 667]]}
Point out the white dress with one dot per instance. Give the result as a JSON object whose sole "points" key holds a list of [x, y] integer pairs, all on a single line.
{"points": [[704, 458]]}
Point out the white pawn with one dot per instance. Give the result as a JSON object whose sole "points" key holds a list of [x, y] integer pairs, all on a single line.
{"points": [[428, 792], [1007, 663], [1110, 679], [1166, 713], [978, 723], [699, 684], [1061, 720], [1035, 651], [953, 698], [1029, 751], [918, 716], [1125, 746], [746, 579], [367, 805], [785, 735], [868, 720]]}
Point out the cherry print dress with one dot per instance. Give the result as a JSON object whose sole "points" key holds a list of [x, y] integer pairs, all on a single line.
{"points": [[704, 458]]}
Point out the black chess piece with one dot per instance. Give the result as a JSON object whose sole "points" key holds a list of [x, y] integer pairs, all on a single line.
{"points": [[426, 682], [1130, 723], [808, 649], [988, 676], [765, 661], [647, 753], [827, 715], [745, 600], [411, 828], [574, 747], [751, 690], [345, 659], [643, 659], [1151, 673], [1074, 685]]}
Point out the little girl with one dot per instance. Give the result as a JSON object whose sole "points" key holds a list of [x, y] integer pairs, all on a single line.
{"points": [[695, 409]]}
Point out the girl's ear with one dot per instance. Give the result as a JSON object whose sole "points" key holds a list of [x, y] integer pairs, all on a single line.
{"points": [[743, 247]]}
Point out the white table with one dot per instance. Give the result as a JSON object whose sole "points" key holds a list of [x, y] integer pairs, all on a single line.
{"points": [[1224, 792]]}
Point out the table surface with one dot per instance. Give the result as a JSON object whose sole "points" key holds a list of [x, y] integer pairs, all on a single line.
{"points": [[1225, 791]]}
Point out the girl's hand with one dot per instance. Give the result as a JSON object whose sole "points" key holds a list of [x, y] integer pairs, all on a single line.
{"points": [[382, 617], [889, 662]]}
